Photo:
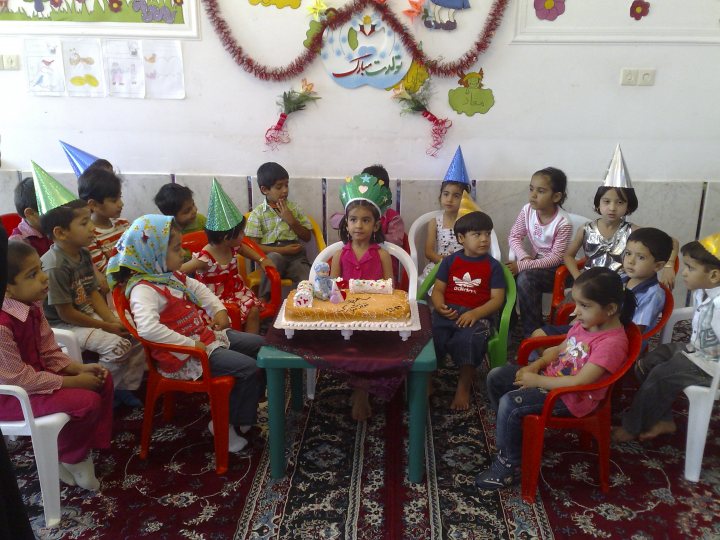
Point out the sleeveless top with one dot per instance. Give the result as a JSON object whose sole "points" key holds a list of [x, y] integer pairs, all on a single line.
{"points": [[606, 252], [368, 267]]}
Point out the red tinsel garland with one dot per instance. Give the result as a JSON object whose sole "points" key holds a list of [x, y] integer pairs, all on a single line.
{"points": [[300, 63], [439, 130]]}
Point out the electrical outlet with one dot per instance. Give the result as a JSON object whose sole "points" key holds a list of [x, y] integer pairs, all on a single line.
{"points": [[11, 61], [646, 77], [628, 77]]}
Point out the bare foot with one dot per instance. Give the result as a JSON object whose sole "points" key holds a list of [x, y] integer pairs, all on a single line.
{"points": [[461, 401], [360, 405], [620, 434], [661, 428]]}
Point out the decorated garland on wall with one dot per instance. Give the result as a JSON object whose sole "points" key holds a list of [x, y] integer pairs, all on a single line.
{"points": [[342, 16]]}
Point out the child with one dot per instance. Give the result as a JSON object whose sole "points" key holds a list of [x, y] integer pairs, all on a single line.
{"points": [[55, 383], [165, 306], [28, 230], [441, 241], [216, 265], [277, 224], [73, 300], [469, 290], [672, 367], [548, 229], [595, 347], [646, 253], [177, 201], [361, 256], [391, 223], [102, 191]]}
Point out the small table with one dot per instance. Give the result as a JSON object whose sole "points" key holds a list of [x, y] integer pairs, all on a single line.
{"points": [[276, 361]]}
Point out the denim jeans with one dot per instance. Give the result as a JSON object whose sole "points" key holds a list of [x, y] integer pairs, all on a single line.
{"points": [[468, 345], [512, 405]]}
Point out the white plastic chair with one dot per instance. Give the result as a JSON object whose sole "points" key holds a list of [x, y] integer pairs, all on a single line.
{"points": [[418, 231], [43, 431], [399, 253], [701, 400]]}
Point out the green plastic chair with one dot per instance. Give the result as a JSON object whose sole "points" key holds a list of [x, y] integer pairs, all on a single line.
{"points": [[497, 344]]}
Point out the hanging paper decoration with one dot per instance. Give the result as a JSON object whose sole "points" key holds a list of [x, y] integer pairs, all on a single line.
{"points": [[437, 7], [416, 102], [435, 66], [414, 78], [415, 9], [471, 97], [290, 102], [293, 4], [317, 9], [549, 10], [639, 9], [364, 51]]}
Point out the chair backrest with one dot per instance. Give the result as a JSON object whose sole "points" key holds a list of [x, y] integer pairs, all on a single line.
{"points": [[399, 253], [194, 241], [68, 340], [10, 221]]}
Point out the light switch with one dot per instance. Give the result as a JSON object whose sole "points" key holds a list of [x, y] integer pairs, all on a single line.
{"points": [[628, 77], [11, 61]]}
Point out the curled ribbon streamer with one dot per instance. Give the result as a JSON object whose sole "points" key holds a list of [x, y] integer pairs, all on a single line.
{"points": [[276, 135], [438, 132]]}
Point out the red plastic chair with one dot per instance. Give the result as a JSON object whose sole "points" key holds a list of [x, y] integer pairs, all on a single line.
{"points": [[217, 388], [10, 221], [195, 241], [596, 424]]}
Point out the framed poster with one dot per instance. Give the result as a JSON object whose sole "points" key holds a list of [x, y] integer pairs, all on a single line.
{"points": [[126, 18]]}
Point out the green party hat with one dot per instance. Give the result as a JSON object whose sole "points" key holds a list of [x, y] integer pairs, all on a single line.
{"points": [[222, 213], [367, 187], [49, 192]]}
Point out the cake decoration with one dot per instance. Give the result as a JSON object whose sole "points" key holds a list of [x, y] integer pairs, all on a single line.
{"points": [[303, 295], [323, 281], [372, 286]]}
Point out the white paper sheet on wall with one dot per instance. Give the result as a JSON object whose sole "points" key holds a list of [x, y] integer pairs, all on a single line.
{"points": [[164, 77], [44, 65], [84, 73], [124, 68]]}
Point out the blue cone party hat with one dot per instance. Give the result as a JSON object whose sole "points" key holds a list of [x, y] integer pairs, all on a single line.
{"points": [[456, 171], [79, 159]]}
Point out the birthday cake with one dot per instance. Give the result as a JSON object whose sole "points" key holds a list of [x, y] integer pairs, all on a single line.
{"points": [[383, 304]]}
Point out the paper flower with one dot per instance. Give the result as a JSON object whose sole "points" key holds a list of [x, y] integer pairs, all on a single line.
{"points": [[416, 9], [290, 102], [317, 9], [115, 5], [416, 102], [639, 9], [549, 10]]}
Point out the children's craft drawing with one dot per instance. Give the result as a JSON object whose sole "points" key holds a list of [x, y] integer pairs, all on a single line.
{"points": [[365, 51], [44, 64], [471, 97], [126, 76], [83, 65], [441, 13]]}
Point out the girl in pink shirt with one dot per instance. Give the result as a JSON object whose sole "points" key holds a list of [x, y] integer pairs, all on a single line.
{"points": [[595, 347], [31, 359]]}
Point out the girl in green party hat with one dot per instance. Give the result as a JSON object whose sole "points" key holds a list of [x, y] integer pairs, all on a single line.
{"points": [[216, 265]]}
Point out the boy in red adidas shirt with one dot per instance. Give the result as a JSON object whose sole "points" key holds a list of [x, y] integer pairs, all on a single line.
{"points": [[469, 290]]}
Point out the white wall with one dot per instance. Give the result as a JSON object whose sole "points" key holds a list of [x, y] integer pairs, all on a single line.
{"points": [[556, 104]]}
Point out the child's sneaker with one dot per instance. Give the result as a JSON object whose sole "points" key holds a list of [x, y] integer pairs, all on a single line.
{"points": [[500, 475], [84, 474], [236, 443], [126, 397]]}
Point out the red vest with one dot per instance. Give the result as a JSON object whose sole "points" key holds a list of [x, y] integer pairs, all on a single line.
{"points": [[182, 316], [26, 335]]}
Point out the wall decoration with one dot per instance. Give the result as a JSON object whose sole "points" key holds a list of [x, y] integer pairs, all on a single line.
{"points": [[639, 8], [364, 51], [437, 20], [293, 4], [415, 9], [414, 78], [549, 10], [84, 73], [317, 9], [290, 102], [416, 102], [162, 18], [44, 65], [125, 70], [163, 67], [471, 97], [340, 17]]}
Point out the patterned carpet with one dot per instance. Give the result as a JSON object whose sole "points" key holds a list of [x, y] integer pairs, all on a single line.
{"points": [[348, 480]]}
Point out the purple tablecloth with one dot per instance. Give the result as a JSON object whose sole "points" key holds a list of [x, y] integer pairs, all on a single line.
{"points": [[375, 361]]}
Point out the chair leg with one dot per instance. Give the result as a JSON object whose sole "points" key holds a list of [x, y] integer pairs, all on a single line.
{"points": [[603, 441], [311, 380], [220, 411], [699, 412], [46, 457], [150, 399], [168, 406], [533, 441]]}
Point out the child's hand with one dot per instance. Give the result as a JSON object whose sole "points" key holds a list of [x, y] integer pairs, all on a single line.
{"points": [[467, 319], [284, 212], [116, 328], [85, 380], [292, 249], [267, 261], [103, 286], [221, 321], [527, 379], [200, 345], [513, 267], [530, 368], [95, 369], [447, 312], [667, 277]]}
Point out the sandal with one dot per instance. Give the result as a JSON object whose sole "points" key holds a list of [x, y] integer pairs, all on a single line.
{"points": [[498, 476]]}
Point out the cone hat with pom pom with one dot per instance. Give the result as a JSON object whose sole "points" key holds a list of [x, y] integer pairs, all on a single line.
{"points": [[79, 159], [366, 187], [222, 213], [49, 192]]}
